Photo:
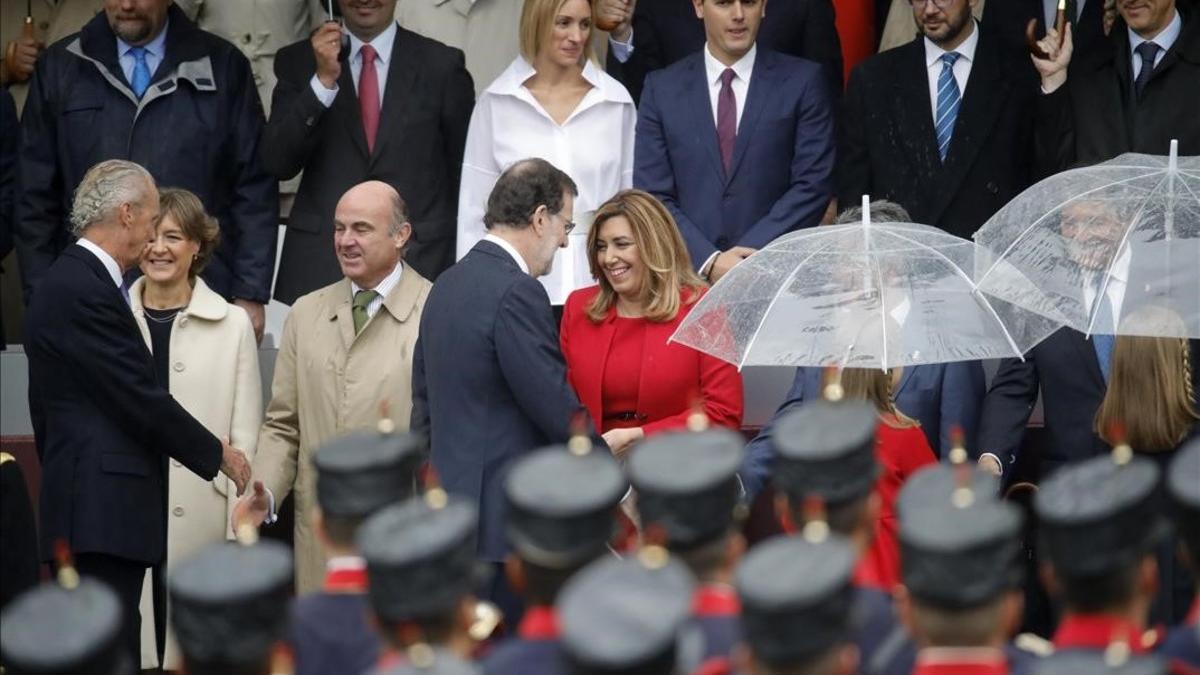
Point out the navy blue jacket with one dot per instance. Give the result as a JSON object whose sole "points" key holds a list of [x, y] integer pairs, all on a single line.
{"points": [[330, 633], [197, 127], [489, 381], [781, 172], [103, 425]]}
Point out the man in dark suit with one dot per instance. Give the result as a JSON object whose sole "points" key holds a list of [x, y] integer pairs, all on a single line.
{"points": [[103, 426], [943, 125], [1135, 94], [404, 123], [9, 132], [489, 382], [736, 141], [660, 33], [1006, 20]]}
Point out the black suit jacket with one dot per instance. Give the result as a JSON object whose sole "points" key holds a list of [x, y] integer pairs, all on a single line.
{"points": [[888, 147], [1095, 117], [665, 31], [102, 424], [489, 381], [418, 150]]}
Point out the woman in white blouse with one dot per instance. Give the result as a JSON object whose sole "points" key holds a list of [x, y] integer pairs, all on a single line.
{"points": [[551, 102]]}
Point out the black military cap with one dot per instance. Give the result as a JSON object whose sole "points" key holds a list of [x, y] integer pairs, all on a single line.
{"points": [[361, 472], [958, 552], [1100, 514], [52, 629], [1083, 662], [937, 485], [420, 556], [827, 449], [425, 660], [1183, 484], [796, 597], [560, 504], [687, 483], [229, 602], [622, 615]]}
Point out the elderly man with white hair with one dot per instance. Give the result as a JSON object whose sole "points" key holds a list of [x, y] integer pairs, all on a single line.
{"points": [[104, 427]]}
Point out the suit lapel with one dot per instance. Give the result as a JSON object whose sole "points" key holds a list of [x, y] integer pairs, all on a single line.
{"points": [[914, 113], [340, 305], [1087, 354], [697, 99], [762, 81], [905, 376], [346, 104], [402, 73]]}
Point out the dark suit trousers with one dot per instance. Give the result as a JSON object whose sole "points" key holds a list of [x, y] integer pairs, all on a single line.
{"points": [[125, 578]]}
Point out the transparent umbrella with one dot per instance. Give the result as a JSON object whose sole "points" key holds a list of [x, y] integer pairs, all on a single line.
{"points": [[860, 295], [1127, 230]]}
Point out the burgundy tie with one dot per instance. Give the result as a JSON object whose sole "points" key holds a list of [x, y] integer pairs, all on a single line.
{"points": [[368, 95], [726, 119]]}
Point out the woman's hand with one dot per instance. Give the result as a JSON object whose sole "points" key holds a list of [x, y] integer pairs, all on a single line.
{"points": [[620, 440]]}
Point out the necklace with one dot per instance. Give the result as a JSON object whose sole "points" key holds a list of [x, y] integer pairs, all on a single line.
{"points": [[162, 316]]}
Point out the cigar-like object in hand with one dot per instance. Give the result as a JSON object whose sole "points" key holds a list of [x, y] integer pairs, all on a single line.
{"points": [[1060, 25]]}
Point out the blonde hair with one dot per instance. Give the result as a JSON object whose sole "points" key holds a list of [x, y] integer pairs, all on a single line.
{"points": [[537, 21], [661, 249], [1150, 395], [875, 386], [188, 212]]}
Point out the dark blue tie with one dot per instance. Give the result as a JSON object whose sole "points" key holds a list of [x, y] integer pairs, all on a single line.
{"points": [[141, 71], [1148, 51], [948, 100]]}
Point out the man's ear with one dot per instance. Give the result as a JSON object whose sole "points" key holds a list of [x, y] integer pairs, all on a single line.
{"points": [[698, 7], [403, 236]]}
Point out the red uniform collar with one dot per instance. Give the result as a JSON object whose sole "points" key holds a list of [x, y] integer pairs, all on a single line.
{"points": [[346, 580], [961, 662], [539, 623], [1098, 631], [715, 600]]}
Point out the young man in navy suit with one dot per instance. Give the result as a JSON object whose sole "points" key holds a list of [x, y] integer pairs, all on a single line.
{"points": [[737, 141]]}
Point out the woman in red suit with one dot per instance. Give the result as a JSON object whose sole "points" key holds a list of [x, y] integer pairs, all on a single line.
{"points": [[614, 335]]}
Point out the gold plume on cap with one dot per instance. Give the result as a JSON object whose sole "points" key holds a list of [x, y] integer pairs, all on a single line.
{"points": [[832, 389], [386, 425], [68, 577], [485, 619], [436, 498], [653, 557], [421, 655]]}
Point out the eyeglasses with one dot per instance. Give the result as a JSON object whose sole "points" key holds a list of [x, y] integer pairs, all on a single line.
{"points": [[940, 4], [568, 225]]}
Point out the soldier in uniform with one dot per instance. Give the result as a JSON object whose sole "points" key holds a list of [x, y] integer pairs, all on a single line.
{"points": [[640, 605], [561, 504], [421, 571], [825, 451], [229, 609], [1113, 662], [18, 531], [1100, 522], [1183, 483], [357, 475], [687, 495]]}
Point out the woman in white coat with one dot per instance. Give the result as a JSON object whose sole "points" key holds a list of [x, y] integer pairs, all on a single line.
{"points": [[552, 102], [206, 355]]}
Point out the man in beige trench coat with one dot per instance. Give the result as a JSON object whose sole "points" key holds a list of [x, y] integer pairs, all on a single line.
{"points": [[346, 348]]}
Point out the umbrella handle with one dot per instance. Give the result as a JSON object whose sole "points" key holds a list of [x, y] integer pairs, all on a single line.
{"points": [[1060, 25]]}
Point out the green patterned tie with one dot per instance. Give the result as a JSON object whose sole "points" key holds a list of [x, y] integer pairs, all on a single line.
{"points": [[359, 309]]}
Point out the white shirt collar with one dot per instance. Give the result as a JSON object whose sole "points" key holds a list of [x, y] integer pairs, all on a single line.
{"points": [[383, 288], [110, 263], [966, 50], [742, 68], [382, 44], [512, 251], [512, 81], [1165, 39]]}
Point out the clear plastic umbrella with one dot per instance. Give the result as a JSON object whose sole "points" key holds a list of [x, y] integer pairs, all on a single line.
{"points": [[860, 295], [1127, 229]]}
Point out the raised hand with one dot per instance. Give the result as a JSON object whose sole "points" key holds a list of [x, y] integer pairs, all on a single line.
{"points": [[327, 44], [616, 17], [726, 260], [1053, 69], [235, 465]]}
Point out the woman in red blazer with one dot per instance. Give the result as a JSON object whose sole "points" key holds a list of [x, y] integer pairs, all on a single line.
{"points": [[614, 335]]}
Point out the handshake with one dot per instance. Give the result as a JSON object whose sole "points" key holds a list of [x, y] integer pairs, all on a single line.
{"points": [[252, 508]]}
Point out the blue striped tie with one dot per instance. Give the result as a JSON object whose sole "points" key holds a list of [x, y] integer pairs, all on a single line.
{"points": [[948, 101]]}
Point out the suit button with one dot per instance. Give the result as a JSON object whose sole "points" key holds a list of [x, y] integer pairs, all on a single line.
{"points": [[176, 462], [992, 187], [182, 321], [178, 510], [309, 121], [246, 38], [178, 367]]}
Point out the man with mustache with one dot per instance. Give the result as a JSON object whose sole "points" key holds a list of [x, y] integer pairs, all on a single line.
{"points": [[142, 82], [1135, 95]]}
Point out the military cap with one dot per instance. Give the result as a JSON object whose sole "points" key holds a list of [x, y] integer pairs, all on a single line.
{"points": [[687, 483], [560, 504], [936, 484], [620, 615], [958, 552], [1183, 484], [361, 472], [425, 660], [796, 597], [1084, 662], [827, 449], [53, 629], [1100, 514], [420, 556], [229, 603]]}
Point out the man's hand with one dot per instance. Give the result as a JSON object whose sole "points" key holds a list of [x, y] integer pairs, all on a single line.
{"points": [[251, 509], [1054, 69], [327, 44], [620, 440], [725, 261], [619, 15], [258, 316], [990, 464], [235, 465], [20, 56]]}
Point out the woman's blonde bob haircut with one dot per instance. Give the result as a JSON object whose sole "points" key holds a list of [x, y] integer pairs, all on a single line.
{"points": [[537, 22], [662, 251]]}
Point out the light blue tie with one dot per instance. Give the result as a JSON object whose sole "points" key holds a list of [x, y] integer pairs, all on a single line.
{"points": [[948, 100], [141, 71], [1102, 340]]}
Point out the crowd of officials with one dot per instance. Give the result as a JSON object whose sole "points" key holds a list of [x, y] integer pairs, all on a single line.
{"points": [[496, 216]]}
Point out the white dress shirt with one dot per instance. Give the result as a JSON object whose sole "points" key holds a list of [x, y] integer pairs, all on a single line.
{"points": [[155, 51], [110, 263], [1165, 39], [383, 54], [962, 67], [509, 249], [383, 288], [742, 69], [594, 146]]}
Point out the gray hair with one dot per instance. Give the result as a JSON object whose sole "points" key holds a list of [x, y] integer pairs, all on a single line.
{"points": [[104, 188], [882, 211], [399, 214]]}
